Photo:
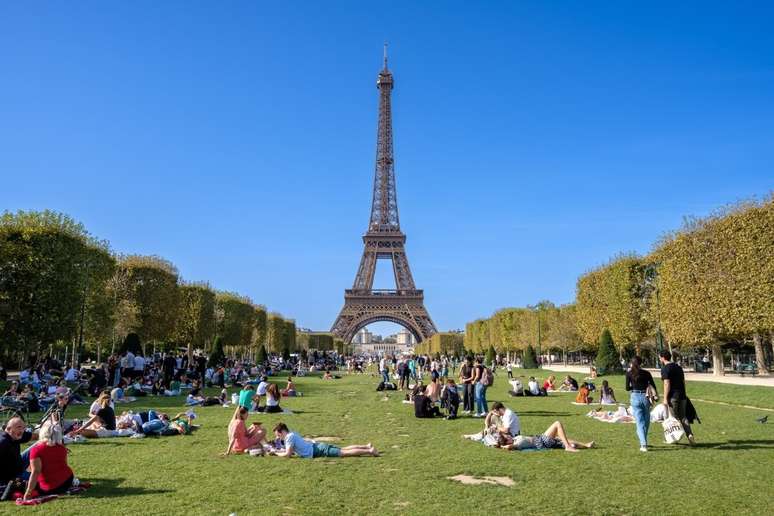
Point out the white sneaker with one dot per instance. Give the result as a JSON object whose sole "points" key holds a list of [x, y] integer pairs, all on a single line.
{"points": [[643, 448]]}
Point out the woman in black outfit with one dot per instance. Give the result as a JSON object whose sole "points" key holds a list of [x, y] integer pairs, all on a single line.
{"points": [[637, 381]]}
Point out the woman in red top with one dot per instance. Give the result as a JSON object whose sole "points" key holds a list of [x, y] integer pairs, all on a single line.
{"points": [[48, 464], [242, 439]]}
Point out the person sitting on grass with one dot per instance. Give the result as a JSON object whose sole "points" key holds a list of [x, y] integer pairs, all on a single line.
{"points": [[174, 388], [290, 390], [509, 420], [583, 394], [533, 388], [433, 390], [272, 400], [607, 396], [423, 407], [569, 384], [550, 384], [103, 422], [12, 464], [297, 445], [242, 439], [49, 471], [327, 375], [450, 399], [247, 397], [554, 437]]}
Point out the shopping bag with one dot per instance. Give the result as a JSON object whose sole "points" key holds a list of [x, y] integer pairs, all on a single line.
{"points": [[673, 429]]}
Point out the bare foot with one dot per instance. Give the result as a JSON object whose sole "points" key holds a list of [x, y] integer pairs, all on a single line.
{"points": [[590, 444], [570, 449], [373, 451]]}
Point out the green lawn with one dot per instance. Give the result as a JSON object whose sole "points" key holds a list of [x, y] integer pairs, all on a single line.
{"points": [[730, 471]]}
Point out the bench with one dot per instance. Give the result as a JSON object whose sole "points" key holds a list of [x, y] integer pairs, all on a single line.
{"points": [[743, 369]]}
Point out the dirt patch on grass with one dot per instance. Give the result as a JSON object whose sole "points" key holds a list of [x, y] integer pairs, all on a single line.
{"points": [[474, 481]]}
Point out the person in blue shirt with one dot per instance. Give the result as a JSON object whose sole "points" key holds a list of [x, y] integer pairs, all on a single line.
{"points": [[297, 445]]}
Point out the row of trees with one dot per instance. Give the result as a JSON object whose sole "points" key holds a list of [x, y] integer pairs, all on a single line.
{"points": [[707, 285], [59, 286], [543, 325], [450, 344]]}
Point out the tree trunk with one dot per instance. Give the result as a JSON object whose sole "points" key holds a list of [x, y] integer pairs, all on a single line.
{"points": [[717, 360], [760, 355]]}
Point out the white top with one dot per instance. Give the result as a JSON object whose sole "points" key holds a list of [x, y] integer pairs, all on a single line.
{"points": [[139, 363], [533, 387], [262, 388], [516, 384], [271, 402], [128, 361], [511, 422]]}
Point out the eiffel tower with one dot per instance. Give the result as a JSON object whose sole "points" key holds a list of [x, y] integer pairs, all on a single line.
{"points": [[363, 304]]}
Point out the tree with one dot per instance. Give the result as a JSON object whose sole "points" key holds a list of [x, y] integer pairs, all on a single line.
{"points": [[608, 298], [530, 362], [714, 280], [607, 360], [149, 285], [132, 344], [262, 355], [235, 316], [196, 316], [276, 333], [48, 266], [490, 355], [217, 356]]}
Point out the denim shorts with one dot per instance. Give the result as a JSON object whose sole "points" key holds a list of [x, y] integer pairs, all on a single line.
{"points": [[325, 450]]}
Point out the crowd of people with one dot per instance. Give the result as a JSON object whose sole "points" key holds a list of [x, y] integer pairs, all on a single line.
{"points": [[42, 469]]}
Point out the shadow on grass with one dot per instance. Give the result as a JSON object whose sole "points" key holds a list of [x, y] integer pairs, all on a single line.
{"points": [[111, 488], [736, 444]]}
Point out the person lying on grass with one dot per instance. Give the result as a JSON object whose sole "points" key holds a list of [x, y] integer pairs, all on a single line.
{"points": [[242, 439], [553, 438], [297, 445]]}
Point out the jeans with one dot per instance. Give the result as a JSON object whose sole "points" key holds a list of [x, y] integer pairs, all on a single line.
{"points": [[25, 460], [467, 397], [641, 411], [385, 376], [154, 424], [678, 409], [481, 407]]}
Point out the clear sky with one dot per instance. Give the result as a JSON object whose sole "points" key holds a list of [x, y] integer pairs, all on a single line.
{"points": [[533, 140]]}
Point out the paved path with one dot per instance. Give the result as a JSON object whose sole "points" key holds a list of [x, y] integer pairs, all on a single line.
{"points": [[735, 379]]}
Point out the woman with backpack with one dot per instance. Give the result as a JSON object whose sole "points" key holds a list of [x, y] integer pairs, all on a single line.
{"points": [[482, 379]]}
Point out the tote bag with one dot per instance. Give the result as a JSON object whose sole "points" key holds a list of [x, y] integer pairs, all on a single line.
{"points": [[673, 430]]}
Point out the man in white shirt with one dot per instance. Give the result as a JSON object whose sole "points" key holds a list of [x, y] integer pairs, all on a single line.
{"points": [[127, 364], [510, 420], [139, 365], [534, 388]]}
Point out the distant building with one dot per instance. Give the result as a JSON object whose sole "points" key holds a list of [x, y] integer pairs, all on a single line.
{"points": [[367, 342]]}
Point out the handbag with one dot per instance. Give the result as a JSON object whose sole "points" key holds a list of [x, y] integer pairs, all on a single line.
{"points": [[673, 429]]}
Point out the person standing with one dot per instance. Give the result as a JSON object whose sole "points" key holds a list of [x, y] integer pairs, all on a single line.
{"points": [[466, 377], [509, 368], [481, 380], [674, 391], [637, 382], [384, 370]]}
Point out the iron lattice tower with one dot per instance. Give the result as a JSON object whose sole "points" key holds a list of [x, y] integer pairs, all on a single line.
{"points": [[363, 304]]}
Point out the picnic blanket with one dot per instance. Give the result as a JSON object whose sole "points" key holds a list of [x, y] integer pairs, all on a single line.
{"points": [[621, 415]]}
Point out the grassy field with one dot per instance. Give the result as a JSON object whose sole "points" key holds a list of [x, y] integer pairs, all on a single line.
{"points": [[731, 470]]}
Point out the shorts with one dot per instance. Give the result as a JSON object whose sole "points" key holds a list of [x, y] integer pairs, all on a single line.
{"points": [[543, 442], [325, 450], [104, 432]]}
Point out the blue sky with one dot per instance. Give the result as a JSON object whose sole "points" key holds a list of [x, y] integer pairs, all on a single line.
{"points": [[533, 140]]}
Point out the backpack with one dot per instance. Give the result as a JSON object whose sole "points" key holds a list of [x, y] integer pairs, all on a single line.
{"points": [[487, 378]]}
